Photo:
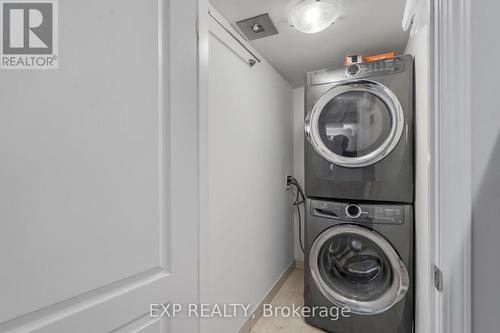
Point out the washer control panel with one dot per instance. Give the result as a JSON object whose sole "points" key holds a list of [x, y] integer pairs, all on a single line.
{"points": [[358, 212]]}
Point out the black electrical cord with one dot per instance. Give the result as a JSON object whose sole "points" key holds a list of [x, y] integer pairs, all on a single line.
{"points": [[300, 229], [300, 199]]}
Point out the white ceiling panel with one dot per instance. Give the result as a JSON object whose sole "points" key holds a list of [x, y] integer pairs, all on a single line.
{"points": [[365, 27]]}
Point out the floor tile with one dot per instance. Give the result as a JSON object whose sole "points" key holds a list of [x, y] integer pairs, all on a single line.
{"points": [[292, 292]]}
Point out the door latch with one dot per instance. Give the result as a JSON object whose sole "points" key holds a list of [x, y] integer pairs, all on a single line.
{"points": [[438, 278]]}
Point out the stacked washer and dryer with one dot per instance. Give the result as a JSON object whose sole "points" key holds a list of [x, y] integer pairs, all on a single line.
{"points": [[359, 183]]}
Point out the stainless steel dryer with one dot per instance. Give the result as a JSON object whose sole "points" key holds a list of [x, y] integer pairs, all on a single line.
{"points": [[360, 256], [359, 132]]}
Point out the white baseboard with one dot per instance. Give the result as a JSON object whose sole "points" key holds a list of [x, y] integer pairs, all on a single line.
{"points": [[257, 312], [299, 264]]}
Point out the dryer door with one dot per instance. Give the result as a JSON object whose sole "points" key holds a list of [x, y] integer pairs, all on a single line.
{"points": [[355, 124], [356, 267]]}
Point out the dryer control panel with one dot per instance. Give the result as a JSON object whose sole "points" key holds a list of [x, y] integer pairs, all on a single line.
{"points": [[358, 212], [361, 70], [387, 65]]}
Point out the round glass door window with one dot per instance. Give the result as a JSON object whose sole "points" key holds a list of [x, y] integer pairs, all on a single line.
{"points": [[355, 124], [356, 267]]}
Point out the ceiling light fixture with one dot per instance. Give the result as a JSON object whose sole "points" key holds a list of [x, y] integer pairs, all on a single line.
{"points": [[311, 16]]}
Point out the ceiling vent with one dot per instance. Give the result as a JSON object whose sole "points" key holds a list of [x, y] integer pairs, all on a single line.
{"points": [[257, 27]]}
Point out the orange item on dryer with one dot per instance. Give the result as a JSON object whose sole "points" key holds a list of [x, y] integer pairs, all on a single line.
{"points": [[376, 57]]}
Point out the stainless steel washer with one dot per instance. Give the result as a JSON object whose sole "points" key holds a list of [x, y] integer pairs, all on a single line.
{"points": [[360, 256]]}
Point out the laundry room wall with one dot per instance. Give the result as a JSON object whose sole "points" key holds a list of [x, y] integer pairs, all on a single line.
{"points": [[247, 242], [418, 47], [298, 160], [485, 169]]}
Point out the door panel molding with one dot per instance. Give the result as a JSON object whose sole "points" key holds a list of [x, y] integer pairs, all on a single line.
{"points": [[450, 144], [94, 301], [145, 324]]}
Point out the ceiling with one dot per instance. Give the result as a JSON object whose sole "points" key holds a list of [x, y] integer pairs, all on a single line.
{"points": [[364, 27]]}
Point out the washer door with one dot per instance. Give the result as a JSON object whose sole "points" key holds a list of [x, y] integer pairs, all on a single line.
{"points": [[355, 124], [356, 267]]}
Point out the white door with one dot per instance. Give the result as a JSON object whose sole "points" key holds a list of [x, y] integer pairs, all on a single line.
{"points": [[98, 173]]}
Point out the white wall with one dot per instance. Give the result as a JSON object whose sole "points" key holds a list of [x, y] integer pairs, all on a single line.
{"points": [[298, 159], [418, 47], [485, 170], [249, 239]]}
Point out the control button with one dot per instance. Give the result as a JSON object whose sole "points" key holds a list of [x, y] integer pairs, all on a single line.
{"points": [[353, 70], [353, 211]]}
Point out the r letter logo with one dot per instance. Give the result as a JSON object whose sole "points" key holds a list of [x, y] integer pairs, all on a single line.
{"points": [[29, 34]]}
